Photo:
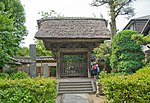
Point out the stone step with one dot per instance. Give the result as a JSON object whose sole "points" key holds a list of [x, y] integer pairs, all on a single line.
{"points": [[74, 92], [77, 83], [76, 89], [76, 86], [74, 81]]}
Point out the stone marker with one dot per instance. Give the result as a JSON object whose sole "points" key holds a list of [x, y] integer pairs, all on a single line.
{"points": [[45, 70], [32, 53]]}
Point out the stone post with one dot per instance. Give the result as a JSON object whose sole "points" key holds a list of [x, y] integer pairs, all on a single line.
{"points": [[32, 53], [46, 71]]}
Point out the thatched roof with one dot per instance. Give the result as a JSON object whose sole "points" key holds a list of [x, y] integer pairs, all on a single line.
{"points": [[72, 28]]}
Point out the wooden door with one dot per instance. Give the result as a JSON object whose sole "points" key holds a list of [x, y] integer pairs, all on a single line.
{"points": [[73, 65]]}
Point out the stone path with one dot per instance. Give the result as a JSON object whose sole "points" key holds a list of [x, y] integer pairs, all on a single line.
{"points": [[79, 98], [75, 98]]}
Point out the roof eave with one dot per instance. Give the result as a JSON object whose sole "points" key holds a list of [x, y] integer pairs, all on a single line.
{"points": [[103, 37], [132, 21]]}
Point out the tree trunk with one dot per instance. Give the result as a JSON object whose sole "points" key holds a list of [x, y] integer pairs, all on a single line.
{"points": [[113, 21]]}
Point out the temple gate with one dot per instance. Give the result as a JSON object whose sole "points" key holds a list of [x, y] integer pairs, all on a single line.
{"points": [[72, 41]]}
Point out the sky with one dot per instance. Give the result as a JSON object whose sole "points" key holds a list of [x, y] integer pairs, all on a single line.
{"points": [[73, 8]]}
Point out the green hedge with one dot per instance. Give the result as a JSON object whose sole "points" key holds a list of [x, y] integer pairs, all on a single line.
{"points": [[4, 76], [19, 75], [30, 90], [14, 76], [127, 89]]}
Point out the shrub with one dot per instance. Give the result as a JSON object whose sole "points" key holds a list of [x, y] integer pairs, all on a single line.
{"points": [[103, 52], [36, 90], [4, 76], [19, 75], [127, 89], [126, 54]]}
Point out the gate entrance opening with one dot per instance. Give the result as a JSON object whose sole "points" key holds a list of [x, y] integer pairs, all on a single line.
{"points": [[73, 65]]}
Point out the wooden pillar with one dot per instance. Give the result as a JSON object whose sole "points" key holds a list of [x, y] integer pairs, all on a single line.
{"points": [[49, 71], [89, 64], [58, 65], [41, 69]]}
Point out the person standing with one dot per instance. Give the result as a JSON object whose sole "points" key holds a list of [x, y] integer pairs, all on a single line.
{"points": [[94, 71], [98, 70]]}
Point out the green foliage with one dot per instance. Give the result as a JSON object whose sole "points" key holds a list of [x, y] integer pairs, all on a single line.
{"points": [[19, 75], [13, 76], [18, 14], [146, 39], [116, 7], [41, 50], [126, 55], [127, 89], [141, 39], [103, 52], [6, 25], [12, 29], [138, 38], [9, 69], [105, 74], [28, 90], [4, 76], [22, 51]]}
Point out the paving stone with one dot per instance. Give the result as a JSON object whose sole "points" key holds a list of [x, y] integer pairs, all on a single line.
{"points": [[75, 98]]}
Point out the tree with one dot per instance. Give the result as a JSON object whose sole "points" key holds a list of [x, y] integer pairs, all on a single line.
{"points": [[6, 26], [141, 39], [146, 39], [22, 51], [19, 20], [103, 52], [18, 15], [12, 29], [41, 50], [51, 13], [116, 7], [126, 54], [144, 42]]}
